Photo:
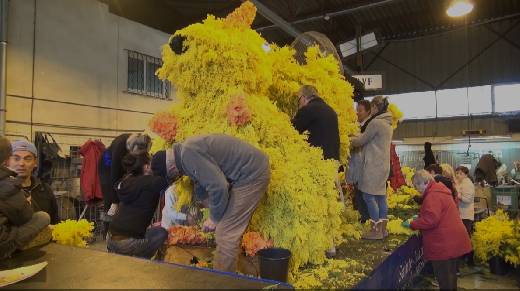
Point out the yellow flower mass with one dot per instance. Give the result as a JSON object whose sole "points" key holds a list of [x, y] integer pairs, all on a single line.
{"points": [[73, 232], [224, 58]]}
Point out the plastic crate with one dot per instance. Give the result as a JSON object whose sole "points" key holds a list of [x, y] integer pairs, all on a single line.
{"points": [[505, 197]]}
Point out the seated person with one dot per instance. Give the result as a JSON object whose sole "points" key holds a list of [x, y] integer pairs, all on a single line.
{"points": [[23, 161], [18, 223], [138, 192], [170, 215]]}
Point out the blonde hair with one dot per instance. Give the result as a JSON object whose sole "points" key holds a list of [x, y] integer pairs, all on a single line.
{"points": [[422, 177], [447, 171], [138, 143]]}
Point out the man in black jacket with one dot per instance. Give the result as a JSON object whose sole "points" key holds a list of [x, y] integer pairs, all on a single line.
{"points": [[18, 224], [320, 120]]}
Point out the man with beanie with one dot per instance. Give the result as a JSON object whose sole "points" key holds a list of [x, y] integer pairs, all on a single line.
{"points": [[18, 224], [23, 161], [232, 174]]}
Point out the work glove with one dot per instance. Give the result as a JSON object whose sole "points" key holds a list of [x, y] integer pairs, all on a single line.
{"points": [[406, 223]]}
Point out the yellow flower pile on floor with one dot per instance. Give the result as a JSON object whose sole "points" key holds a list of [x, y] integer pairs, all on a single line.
{"points": [[224, 60], [394, 227], [497, 235], [73, 232], [336, 273]]}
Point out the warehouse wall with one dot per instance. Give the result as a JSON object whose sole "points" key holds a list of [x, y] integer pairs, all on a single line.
{"points": [[67, 70]]}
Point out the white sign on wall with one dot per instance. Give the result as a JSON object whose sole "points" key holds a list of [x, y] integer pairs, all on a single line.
{"points": [[371, 82]]}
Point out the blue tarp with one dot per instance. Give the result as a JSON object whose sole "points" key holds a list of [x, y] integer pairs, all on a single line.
{"points": [[398, 270]]}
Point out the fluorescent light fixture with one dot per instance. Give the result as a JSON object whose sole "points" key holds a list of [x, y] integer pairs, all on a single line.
{"points": [[459, 8], [350, 47], [482, 138]]}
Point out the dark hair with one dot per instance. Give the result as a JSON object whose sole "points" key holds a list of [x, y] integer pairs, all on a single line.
{"points": [[465, 171], [365, 104], [5, 149], [436, 168], [133, 164]]}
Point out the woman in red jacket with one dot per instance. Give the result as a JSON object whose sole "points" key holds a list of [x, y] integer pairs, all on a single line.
{"points": [[444, 236]]}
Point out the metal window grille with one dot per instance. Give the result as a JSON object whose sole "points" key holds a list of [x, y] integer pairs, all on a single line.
{"points": [[142, 79]]}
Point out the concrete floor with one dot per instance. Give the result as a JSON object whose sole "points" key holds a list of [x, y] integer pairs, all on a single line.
{"points": [[472, 278]]}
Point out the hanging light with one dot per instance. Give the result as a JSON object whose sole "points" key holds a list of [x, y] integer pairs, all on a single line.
{"points": [[459, 8]]}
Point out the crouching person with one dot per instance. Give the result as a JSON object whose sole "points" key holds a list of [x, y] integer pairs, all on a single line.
{"points": [[444, 236], [232, 174], [138, 192], [19, 225]]}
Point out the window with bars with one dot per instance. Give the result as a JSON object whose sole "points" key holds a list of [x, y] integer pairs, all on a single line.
{"points": [[142, 79]]}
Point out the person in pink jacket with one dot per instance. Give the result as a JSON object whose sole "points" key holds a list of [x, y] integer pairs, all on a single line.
{"points": [[444, 236]]}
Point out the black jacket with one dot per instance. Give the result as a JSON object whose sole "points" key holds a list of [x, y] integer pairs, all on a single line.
{"points": [[43, 199], [15, 210], [139, 197], [322, 123], [111, 169]]}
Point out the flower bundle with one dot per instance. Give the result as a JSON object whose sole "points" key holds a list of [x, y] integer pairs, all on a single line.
{"points": [[186, 235], [253, 241], [238, 113], [184, 190], [397, 115], [491, 235], [73, 232], [165, 125]]}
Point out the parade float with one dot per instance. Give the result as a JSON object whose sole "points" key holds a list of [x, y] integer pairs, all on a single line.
{"points": [[230, 80]]}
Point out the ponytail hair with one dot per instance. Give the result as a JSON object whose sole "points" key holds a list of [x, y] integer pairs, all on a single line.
{"points": [[134, 164]]}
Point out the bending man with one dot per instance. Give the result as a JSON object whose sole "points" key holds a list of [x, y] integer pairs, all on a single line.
{"points": [[232, 174]]}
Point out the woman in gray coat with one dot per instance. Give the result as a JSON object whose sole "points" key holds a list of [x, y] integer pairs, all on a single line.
{"points": [[376, 166]]}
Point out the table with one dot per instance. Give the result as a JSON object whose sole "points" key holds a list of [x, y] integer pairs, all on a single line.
{"points": [[71, 268]]}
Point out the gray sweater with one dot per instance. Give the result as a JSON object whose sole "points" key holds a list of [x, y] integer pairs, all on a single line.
{"points": [[218, 162], [376, 150]]}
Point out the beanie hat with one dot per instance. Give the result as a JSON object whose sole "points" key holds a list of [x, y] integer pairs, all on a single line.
{"points": [[23, 145], [159, 164]]}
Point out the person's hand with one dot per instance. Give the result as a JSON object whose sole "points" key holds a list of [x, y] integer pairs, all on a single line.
{"points": [[28, 199], [209, 225], [406, 224]]}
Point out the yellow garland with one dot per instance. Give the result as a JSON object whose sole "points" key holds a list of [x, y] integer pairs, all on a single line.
{"points": [[225, 59], [72, 232], [394, 227]]}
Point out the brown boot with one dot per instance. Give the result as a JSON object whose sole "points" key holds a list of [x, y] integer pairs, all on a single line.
{"points": [[383, 224], [374, 233]]}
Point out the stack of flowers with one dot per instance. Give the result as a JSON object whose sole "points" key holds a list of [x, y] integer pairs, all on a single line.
{"points": [[186, 235], [408, 174], [165, 125], [73, 232]]}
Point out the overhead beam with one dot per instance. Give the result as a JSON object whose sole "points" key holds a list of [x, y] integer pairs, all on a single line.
{"points": [[326, 15]]}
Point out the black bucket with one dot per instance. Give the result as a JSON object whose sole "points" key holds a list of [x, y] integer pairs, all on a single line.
{"points": [[498, 266], [274, 263]]}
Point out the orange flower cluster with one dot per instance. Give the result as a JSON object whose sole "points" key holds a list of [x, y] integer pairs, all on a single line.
{"points": [[185, 235], [242, 17], [165, 125], [252, 242], [237, 111]]}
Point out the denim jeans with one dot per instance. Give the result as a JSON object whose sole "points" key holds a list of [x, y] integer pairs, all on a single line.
{"points": [[360, 205], [139, 247], [377, 207]]}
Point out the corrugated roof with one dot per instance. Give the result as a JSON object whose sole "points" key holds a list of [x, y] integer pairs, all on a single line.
{"points": [[396, 19]]}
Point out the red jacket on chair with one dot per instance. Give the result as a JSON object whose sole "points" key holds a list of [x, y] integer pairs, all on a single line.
{"points": [[89, 180], [443, 234]]}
